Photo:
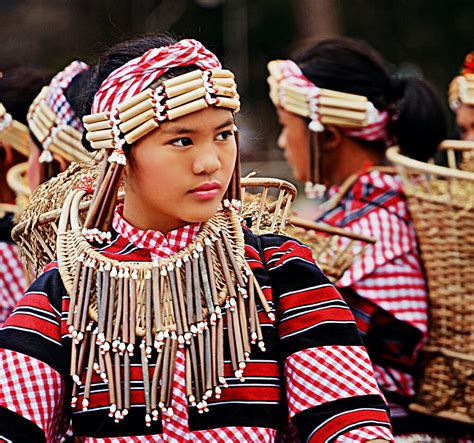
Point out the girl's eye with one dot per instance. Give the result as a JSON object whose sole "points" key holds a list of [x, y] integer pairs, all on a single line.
{"points": [[223, 136], [182, 142]]}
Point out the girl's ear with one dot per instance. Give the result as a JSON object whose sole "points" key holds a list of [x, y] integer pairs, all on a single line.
{"points": [[332, 138]]}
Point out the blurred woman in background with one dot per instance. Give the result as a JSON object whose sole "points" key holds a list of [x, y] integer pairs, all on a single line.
{"points": [[340, 107]]}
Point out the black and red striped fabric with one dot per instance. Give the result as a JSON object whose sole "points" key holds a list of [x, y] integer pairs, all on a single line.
{"points": [[315, 373]]}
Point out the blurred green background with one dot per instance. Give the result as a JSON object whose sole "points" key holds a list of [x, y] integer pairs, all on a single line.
{"points": [[429, 37]]}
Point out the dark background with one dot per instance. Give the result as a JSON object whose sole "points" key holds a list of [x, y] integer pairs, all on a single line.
{"points": [[428, 37]]}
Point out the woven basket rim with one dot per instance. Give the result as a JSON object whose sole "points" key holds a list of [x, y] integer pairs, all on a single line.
{"points": [[393, 154]]}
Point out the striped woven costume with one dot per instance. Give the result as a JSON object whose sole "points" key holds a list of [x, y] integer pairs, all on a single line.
{"points": [[314, 370], [386, 288]]}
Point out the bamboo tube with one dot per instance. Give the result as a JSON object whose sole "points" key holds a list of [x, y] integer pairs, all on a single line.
{"points": [[96, 136], [87, 295], [165, 374], [108, 202], [70, 140], [110, 378], [141, 131], [221, 73], [97, 199], [135, 100], [118, 387], [186, 109], [180, 89], [224, 102], [75, 286], [148, 306], [126, 384], [343, 95], [189, 288], [103, 144], [303, 112], [264, 301], [175, 301], [220, 351], [244, 327], [341, 113], [225, 91], [190, 96], [98, 126], [138, 109], [119, 309], [252, 308], [195, 370], [212, 280], [232, 341], [184, 78], [226, 82], [146, 384], [335, 102], [104, 303], [47, 111], [189, 381], [238, 337], [39, 132], [206, 284], [43, 119], [137, 120], [110, 312], [208, 364], [225, 268], [97, 117], [326, 120], [154, 385], [171, 372], [233, 262], [81, 360], [126, 313], [182, 303], [156, 297], [133, 306], [80, 298]]}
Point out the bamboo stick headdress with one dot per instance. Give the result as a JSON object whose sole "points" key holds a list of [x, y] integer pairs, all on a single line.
{"points": [[13, 132], [53, 122], [461, 88], [126, 108], [354, 114]]}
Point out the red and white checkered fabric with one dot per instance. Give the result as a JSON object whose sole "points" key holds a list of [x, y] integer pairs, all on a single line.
{"points": [[13, 281], [137, 74], [56, 98], [319, 375], [378, 120], [159, 245], [33, 390], [366, 433], [389, 273]]}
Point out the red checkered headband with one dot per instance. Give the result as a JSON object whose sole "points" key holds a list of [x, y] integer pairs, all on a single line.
{"points": [[52, 120], [354, 114], [125, 108]]}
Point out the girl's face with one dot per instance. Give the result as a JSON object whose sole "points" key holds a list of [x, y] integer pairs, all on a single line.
{"points": [[178, 173], [293, 140]]}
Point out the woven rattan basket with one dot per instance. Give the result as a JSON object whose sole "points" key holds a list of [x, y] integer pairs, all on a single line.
{"points": [[460, 154], [441, 204], [335, 249]]}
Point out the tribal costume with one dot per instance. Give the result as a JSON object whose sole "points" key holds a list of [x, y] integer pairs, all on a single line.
{"points": [[137, 365], [386, 288]]}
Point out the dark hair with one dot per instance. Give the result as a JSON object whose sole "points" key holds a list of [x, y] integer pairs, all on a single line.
{"points": [[116, 57], [353, 66], [19, 87]]}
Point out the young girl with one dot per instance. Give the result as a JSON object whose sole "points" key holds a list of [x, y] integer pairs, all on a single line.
{"points": [[185, 326], [340, 107]]}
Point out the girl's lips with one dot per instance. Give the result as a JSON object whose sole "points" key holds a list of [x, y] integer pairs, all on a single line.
{"points": [[206, 191]]}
